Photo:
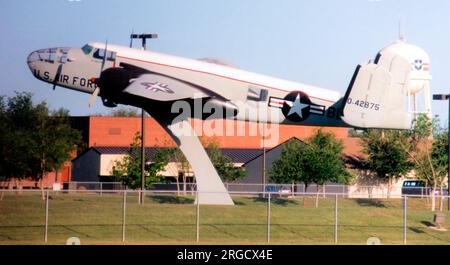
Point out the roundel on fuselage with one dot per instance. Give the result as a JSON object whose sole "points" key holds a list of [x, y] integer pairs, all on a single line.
{"points": [[296, 106]]}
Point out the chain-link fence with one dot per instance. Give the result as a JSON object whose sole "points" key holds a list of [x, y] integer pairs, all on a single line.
{"points": [[350, 191], [168, 217]]}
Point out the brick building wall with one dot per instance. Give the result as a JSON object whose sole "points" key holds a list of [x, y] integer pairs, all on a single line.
{"points": [[119, 131]]}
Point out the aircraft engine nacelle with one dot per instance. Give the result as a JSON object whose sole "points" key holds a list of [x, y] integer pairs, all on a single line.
{"points": [[112, 82]]}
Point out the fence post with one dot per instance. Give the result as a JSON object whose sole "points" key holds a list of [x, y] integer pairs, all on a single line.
{"points": [[404, 218], [268, 218], [143, 196], [336, 219], [124, 207], [197, 222], [46, 217]]}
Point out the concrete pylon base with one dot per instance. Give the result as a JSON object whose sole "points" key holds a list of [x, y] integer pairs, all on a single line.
{"points": [[211, 189]]}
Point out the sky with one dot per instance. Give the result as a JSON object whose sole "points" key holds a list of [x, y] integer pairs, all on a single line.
{"points": [[317, 42]]}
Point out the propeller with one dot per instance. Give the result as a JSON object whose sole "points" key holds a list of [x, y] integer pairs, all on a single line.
{"points": [[94, 95], [57, 76], [60, 66], [104, 57]]}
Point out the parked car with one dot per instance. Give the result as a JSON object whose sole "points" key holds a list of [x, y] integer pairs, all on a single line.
{"points": [[271, 188], [414, 187], [418, 187]]}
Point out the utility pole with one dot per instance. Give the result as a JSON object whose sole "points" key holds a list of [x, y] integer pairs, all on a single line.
{"points": [[446, 97], [144, 38], [264, 159]]}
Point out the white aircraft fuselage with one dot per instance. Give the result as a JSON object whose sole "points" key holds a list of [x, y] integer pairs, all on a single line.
{"points": [[257, 97]]}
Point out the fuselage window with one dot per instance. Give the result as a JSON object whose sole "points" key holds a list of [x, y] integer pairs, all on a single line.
{"points": [[111, 56], [100, 54], [257, 94]]}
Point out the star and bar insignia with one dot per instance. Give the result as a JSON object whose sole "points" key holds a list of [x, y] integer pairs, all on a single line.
{"points": [[157, 87], [296, 106]]}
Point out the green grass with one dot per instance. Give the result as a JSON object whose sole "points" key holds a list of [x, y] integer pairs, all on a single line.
{"points": [[168, 219]]}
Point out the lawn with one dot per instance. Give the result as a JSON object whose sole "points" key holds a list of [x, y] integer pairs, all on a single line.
{"points": [[167, 219]]}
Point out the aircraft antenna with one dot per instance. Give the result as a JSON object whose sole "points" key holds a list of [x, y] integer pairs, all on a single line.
{"points": [[144, 38], [131, 38]]}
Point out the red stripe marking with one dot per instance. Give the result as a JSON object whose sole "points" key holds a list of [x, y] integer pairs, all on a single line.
{"points": [[276, 104], [227, 77]]}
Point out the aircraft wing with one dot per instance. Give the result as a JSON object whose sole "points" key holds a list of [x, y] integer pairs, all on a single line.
{"points": [[163, 88]]}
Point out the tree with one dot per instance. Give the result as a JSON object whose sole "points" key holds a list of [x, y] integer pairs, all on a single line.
{"points": [[223, 164], [318, 160], [64, 139], [326, 154], [289, 167], [439, 158], [33, 141], [19, 120], [428, 149], [183, 167], [328, 150], [387, 156], [54, 141], [124, 112], [423, 148], [128, 170]]}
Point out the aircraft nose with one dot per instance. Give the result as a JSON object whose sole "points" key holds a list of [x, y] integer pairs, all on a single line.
{"points": [[31, 60]]}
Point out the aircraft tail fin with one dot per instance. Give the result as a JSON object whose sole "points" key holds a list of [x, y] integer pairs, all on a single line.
{"points": [[377, 94]]}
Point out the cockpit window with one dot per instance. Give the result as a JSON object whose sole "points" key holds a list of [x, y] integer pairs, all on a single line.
{"points": [[87, 49], [44, 55]]}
